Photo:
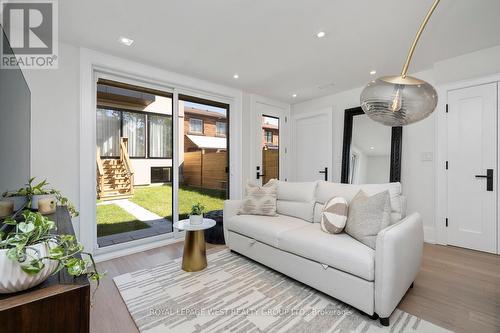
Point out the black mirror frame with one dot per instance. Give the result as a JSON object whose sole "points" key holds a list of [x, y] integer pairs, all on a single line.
{"points": [[396, 147]]}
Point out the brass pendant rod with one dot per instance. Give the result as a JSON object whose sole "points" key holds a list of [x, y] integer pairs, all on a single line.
{"points": [[417, 37]]}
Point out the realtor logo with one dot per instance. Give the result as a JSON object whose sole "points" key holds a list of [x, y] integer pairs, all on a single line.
{"points": [[30, 38]]}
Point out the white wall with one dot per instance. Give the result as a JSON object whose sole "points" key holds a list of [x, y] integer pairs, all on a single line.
{"points": [[55, 110], [418, 174]]}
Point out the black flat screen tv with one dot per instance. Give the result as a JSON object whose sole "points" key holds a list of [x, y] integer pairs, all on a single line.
{"points": [[15, 126]]}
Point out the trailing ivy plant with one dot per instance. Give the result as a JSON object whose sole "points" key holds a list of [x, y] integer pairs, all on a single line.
{"points": [[35, 228]]}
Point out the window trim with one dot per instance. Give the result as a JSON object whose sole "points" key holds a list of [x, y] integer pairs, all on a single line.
{"points": [[202, 126]]}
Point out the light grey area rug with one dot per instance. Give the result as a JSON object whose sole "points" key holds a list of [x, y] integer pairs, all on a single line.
{"points": [[236, 294]]}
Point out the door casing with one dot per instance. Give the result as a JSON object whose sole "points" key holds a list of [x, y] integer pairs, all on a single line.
{"points": [[438, 232]]}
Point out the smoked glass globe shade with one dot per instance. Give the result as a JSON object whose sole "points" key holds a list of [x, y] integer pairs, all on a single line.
{"points": [[398, 101]]}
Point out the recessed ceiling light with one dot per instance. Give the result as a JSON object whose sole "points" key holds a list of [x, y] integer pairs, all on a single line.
{"points": [[294, 95], [371, 148], [373, 72], [236, 76], [321, 34], [126, 41]]}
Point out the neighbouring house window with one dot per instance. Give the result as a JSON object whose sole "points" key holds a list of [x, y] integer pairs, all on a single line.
{"points": [[108, 132], [220, 128], [134, 128], [160, 136], [195, 125], [269, 136]]}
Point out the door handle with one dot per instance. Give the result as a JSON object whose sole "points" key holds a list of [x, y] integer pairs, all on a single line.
{"points": [[258, 174], [489, 179], [325, 172]]}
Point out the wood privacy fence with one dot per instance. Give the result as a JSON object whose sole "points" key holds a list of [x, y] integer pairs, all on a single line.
{"points": [[205, 169], [270, 164]]}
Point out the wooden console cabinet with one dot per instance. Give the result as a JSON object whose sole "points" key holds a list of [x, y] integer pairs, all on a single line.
{"points": [[60, 304]]}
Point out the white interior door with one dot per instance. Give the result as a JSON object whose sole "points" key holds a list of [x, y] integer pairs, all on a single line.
{"points": [[312, 135], [472, 175]]}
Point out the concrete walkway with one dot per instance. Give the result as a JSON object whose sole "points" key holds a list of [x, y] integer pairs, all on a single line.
{"points": [[157, 224], [141, 213]]}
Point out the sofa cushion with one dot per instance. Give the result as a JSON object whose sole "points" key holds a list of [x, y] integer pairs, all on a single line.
{"points": [[265, 229], [292, 191], [367, 216], [326, 190], [318, 210], [339, 251], [260, 200], [296, 199], [301, 210]]}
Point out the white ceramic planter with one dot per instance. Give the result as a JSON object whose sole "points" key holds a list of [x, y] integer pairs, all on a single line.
{"points": [[35, 198], [14, 279], [196, 219]]}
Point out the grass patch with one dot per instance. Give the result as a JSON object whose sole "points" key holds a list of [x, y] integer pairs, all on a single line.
{"points": [[158, 199], [112, 219]]}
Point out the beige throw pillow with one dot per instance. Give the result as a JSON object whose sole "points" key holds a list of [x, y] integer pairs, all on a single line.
{"points": [[260, 200], [334, 215], [367, 216]]}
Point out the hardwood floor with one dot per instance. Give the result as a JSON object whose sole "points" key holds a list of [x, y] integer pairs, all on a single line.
{"points": [[456, 288]]}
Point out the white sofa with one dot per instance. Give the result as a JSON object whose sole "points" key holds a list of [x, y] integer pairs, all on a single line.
{"points": [[373, 281]]}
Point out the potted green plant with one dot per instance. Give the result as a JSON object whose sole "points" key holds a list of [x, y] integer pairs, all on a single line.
{"points": [[38, 191], [29, 195], [30, 253], [196, 216]]}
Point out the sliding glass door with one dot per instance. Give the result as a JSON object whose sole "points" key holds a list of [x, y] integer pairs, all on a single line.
{"points": [[203, 155], [134, 161]]}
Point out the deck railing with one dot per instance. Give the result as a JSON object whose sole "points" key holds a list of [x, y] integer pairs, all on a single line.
{"points": [[100, 172], [124, 157]]}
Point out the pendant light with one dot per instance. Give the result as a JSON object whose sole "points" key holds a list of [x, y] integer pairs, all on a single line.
{"points": [[400, 100]]}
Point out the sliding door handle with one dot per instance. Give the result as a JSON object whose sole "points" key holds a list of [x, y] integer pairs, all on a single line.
{"points": [[489, 179], [325, 171]]}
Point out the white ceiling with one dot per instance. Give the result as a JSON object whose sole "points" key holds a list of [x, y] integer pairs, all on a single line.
{"points": [[271, 44], [367, 134]]}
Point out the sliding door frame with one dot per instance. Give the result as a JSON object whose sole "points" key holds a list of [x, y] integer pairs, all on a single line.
{"points": [[94, 65]]}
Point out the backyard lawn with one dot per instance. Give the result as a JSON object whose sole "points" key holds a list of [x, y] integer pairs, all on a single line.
{"points": [[158, 199], [112, 219]]}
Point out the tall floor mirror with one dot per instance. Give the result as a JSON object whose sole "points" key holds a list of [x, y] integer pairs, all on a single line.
{"points": [[371, 152]]}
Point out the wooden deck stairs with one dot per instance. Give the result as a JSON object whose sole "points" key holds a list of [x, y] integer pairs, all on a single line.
{"points": [[115, 177]]}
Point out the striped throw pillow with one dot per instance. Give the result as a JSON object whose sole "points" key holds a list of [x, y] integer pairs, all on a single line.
{"points": [[260, 200], [334, 215]]}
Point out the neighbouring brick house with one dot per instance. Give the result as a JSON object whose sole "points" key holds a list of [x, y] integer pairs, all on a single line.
{"points": [[203, 123], [270, 135], [214, 124]]}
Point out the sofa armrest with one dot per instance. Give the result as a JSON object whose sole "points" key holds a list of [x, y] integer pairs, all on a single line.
{"points": [[231, 208], [398, 255]]}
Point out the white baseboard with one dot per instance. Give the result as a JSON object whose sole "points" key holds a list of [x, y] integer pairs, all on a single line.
{"points": [[429, 235]]}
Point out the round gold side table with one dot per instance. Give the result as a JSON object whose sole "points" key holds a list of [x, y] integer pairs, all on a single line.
{"points": [[194, 257]]}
